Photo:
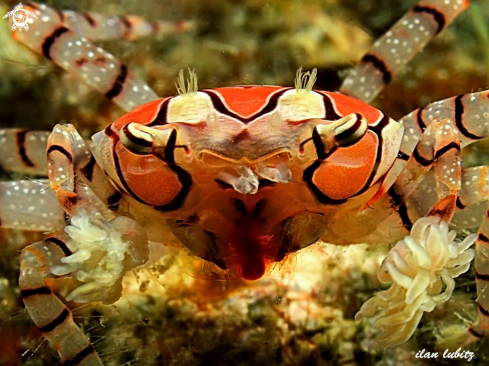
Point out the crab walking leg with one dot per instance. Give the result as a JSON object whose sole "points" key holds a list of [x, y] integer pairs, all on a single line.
{"points": [[471, 202], [23, 151], [29, 205], [49, 36], [100, 27], [48, 312], [482, 278], [445, 157], [470, 113], [397, 47], [68, 156]]}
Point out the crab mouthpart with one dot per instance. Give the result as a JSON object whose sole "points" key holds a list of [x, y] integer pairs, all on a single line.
{"points": [[249, 251]]}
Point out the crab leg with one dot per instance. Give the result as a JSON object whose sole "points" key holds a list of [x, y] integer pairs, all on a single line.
{"points": [[52, 37], [397, 47], [69, 157], [392, 213], [100, 27], [23, 151], [470, 116], [471, 202], [29, 205], [482, 278], [48, 312], [470, 113]]}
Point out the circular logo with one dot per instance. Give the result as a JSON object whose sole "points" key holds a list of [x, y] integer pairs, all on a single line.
{"points": [[20, 17]]}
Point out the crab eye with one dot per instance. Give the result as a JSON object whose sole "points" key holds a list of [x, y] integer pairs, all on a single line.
{"points": [[344, 132], [347, 153], [147, 167], [143, 140]]}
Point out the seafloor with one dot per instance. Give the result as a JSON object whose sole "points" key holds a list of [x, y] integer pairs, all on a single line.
{"points": [[303, 312]]}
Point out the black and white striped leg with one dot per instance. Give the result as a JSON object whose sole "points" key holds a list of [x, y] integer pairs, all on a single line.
{"points": [[52, 37], [398, 45], [23, 151], [48, 312], [70, 162]]}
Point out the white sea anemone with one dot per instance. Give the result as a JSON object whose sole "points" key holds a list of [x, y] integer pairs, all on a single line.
{"points": [[421, 268], [101, 256]]}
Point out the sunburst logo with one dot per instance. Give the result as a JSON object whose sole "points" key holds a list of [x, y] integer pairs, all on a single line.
{"points": [[20, 17]]}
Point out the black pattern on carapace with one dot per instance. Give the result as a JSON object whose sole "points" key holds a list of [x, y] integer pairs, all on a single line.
{"points": [[161, 115], [308, 175], [330, 113], [309, 171], [319, 145], [183, 176], [270, 106]]}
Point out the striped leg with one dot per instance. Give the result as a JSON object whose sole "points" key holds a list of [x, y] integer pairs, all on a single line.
{"points": [[470, 114], [29, 205], [482, 277], [390, 216], [98, 251], [472, 200], [416, 195], [398, 46], [23, 151], [55, 36], [69, 157], [48, 312]]}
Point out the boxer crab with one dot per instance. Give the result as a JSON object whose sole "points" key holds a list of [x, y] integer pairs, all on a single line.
{"points": [[243, 185]]}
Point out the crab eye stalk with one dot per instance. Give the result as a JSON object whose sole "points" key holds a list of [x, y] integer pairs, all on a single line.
{"points": [[144, 140], [344, 132]]}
